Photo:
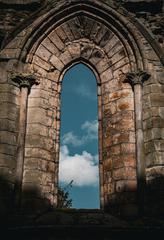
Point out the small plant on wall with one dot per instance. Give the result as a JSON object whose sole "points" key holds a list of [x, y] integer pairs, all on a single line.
{"points": [[64, 200]]}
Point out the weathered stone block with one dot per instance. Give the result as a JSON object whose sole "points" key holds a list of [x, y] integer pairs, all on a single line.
{"points": [[96, 27], [66, 57], [102, 31], [47, 43], [156, 133], [43, 53], [121, 63], [40, 64], [31, 163], [96, 56], [62, 35], [47, 166], [161, 112], [126, 185], [124, 173], [34, 176], [54, 76], [8, 149], [39, 141], [89, 23], [7, 137], [38, 153], [118, 162], [56, 40], [38, 115], [157, 99], [128, 148], [9, 111], [74, 26], [8, 125], [148, 135], [115, 150], [67, 31], [74, 50], [7, 173], [108, 165], [159, 155], [9, 97], [149, 147], [7, 161], [3, 77], [102, 65], [111, 43], [9, 88], [106, 37], [125, 104], [120, 138], [106, 76], [157, 122], [86, 50], [56, 63], [127, 160], [150, 159], [116, 53]]}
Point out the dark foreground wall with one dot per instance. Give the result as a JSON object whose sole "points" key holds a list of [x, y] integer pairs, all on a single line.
{"points": [[81, 224]]}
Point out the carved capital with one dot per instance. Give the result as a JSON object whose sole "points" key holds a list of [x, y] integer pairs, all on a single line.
{"points": [[24, 80], [136, 78]]}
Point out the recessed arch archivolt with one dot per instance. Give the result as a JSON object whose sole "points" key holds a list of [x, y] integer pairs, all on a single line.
{"points": [[102, 51], [81, 23]]}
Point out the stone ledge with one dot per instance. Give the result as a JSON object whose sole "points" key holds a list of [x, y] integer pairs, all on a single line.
{"points": [[133, 230]]}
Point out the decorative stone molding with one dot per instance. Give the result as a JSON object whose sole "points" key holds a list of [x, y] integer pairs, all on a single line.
{"points": [[24, 80], [136, 78]]}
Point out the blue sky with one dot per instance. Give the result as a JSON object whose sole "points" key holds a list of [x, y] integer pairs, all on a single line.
{"points": [[79, 137]]}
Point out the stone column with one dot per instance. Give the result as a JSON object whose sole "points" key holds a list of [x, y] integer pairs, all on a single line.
{"points": [[25, 83], [136, 81]]}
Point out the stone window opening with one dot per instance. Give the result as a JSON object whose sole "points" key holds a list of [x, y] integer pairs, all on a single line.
{"points": [[79, 140]]}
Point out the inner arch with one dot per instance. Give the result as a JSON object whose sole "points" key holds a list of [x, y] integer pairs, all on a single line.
{"points": [[79, 136]]}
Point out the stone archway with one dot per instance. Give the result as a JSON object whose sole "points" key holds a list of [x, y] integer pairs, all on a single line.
{"points": [[103, 51], [112, 43]]}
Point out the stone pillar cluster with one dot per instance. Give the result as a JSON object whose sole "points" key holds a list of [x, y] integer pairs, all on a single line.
{"points": [[25, 82], [136, 81]]}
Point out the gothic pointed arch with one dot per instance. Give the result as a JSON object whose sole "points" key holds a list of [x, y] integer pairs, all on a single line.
{"points": [[83, 37]]}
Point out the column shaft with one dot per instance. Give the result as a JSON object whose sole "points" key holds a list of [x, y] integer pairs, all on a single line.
{"points": [[136, 80], [139, 145], [25, 82], [21, 145]]}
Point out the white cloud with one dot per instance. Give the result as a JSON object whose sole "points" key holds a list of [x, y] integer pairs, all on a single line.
{"points": [[71, 138], [86, 92], [91, 128], [91, 133], [82, 169]]}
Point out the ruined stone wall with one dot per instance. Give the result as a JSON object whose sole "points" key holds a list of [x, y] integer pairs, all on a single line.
{"points": [[112, 42], [63, 46]]}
